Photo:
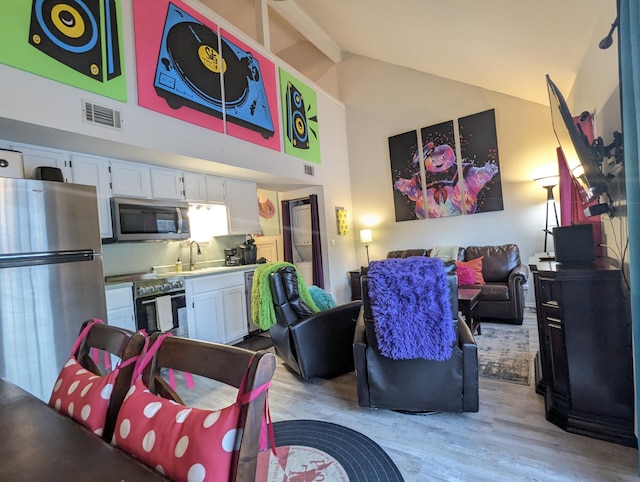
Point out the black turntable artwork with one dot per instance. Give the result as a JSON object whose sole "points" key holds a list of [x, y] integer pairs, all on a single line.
{"points": [[189, 71], [69, 32], [297, 126]]}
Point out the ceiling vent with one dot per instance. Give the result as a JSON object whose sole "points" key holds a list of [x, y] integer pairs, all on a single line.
{"points": [[100, 115], [308, 170]]}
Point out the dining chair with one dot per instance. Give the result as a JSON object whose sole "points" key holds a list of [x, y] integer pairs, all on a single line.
{"points": [[117, 342], [225, 364]]}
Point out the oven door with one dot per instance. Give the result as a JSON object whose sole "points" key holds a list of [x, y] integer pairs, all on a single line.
{"points": [[166, 313]]}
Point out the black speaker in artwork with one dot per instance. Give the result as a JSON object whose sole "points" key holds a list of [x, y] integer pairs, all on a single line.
{"points": [[297, 131], [71, 32], [574, 244]]}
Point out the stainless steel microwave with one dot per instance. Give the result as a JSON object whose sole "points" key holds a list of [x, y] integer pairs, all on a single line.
{"points": [[148, 220]]}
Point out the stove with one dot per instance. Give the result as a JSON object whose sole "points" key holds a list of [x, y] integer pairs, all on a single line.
{"points": [[159, 301]]}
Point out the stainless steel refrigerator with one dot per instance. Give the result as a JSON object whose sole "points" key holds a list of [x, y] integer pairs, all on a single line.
{"points": [[51, 277]]}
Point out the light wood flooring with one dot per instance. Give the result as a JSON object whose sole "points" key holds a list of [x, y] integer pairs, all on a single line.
{"points": [[509, 439]]}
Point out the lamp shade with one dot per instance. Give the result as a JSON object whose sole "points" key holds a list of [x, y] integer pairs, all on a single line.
{"points": [[366, 236], [547, 181]]}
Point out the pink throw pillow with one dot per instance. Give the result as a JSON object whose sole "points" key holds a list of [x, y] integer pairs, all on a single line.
{"points": [[466, 276], [476, 266]]}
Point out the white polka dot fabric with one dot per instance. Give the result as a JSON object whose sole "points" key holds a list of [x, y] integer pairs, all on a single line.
{"points": [[82, 395], [185, 444]]}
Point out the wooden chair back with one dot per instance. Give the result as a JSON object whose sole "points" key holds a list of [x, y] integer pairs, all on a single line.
{"points": [[226, 364], [119, 342]]}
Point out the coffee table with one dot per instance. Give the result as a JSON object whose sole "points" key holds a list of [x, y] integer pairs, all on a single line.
{"points": [[467, 303]]}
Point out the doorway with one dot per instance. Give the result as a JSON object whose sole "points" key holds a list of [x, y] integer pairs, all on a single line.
{"points": [[301, 238]]}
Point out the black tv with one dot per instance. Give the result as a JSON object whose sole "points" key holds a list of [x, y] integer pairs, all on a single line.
{"points": [[574, 244], [582, 158]]}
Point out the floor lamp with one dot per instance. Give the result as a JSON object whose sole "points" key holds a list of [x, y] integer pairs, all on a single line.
{"points": [[366, 236], [549, 183]]}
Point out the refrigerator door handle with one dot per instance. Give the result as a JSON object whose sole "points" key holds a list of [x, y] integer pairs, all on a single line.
{"points": [[54, 257]]}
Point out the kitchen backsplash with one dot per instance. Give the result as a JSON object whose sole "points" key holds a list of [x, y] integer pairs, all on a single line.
{"points": [[125, 258]]}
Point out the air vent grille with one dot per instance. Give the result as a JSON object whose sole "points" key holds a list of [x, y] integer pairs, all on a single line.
{"points": [[100, 115], [308, 170]]}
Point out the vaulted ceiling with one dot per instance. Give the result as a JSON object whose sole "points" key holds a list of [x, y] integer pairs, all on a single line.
{"points": [[505, 46]]}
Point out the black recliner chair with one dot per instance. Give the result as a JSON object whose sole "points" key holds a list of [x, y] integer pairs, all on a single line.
{"points": [[416, 385], [311, 344]]}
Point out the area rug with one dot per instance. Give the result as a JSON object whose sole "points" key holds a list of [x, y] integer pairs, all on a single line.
{"points": [[311, 450], [503, 353]]}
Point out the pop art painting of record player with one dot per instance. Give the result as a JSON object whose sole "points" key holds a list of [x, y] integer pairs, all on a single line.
{"points": [[77, 42], [191, 62], [250, 93]]}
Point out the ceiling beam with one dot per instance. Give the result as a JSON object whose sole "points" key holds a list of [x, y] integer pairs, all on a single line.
{"points": [[300, 21]]}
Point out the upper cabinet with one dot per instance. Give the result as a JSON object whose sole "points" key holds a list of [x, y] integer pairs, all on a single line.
{"points": [[166, 184], [94, 171], [33, 157], [216, 190], [203, 188], [130, 179], [195, 189], [242, 206]]}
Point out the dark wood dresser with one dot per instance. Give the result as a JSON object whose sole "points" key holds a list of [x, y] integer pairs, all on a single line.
{"points": [[584, 368]]}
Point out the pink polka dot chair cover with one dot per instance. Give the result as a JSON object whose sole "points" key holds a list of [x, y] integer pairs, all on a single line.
{"points": [[80, 393], [183, 443]]}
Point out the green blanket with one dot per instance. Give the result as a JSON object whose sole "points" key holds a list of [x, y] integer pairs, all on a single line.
{"points": [[262, 310]]}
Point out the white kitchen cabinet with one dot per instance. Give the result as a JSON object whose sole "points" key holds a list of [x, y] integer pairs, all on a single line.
{"points": [[242, 206], [130, 179], [33, 156], [94, 171], [216, 190], [204, 188], [208, 313], [120, 308], [235, 312], [195, 187], [166, 184], [216, 307], [268, 248]]}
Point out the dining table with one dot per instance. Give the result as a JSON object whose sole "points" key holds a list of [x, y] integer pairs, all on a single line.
{"points": [[38, 443]]}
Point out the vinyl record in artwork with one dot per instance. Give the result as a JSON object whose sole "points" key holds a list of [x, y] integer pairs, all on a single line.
{"points": [[69, 31], [189, 64]]}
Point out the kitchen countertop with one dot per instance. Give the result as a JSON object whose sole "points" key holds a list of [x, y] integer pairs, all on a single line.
{"points": [[210, 270], [116, 281]]}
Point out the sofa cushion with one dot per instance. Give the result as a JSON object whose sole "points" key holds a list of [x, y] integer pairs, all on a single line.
{"points": [[493, 292], [476, 266], [406, 253], [498, 261]]}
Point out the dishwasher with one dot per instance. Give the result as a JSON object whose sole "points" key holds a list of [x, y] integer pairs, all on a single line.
{"points": [[248, 284]]}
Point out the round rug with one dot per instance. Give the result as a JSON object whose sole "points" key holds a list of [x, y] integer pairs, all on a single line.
{"points": [[310, 450]]}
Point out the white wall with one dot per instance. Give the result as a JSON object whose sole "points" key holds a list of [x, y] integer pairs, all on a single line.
{"points": [[383, 100]]}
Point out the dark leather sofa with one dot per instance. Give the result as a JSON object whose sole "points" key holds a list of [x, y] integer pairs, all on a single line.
{"points": [[501, 298], [417, 385], [311, 344]]}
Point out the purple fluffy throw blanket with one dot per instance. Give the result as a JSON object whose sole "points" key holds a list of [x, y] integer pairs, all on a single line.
{"points": [[411, 308]]}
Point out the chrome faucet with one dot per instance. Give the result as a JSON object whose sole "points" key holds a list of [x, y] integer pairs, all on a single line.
{"points": [[192, 262]]}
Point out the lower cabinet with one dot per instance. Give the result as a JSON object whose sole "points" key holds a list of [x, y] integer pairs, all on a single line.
{"points": [[216, 307], [120, 308]]}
